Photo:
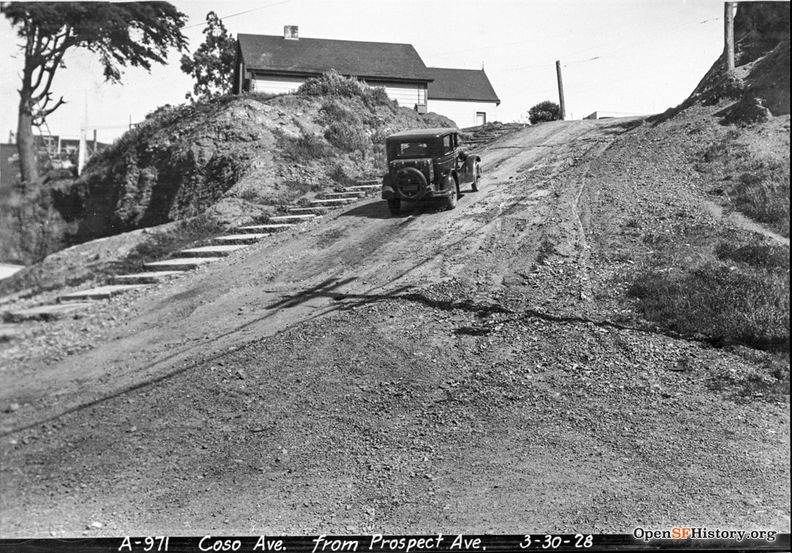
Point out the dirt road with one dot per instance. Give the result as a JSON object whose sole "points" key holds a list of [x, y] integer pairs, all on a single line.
{"points": [[439, 371]]}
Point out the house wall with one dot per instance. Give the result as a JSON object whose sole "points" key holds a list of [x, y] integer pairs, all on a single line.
{"points": [[463, 113], [408, 95], [275, 85]]}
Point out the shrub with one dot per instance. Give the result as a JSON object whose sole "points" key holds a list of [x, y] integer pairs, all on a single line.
{"points": [[333, 83], [544, 111], [348, 138], [332, 111], [339, 175], [379, 97], [546, 250], [306, 147]]}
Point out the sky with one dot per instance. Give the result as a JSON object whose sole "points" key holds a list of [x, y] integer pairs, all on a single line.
{"points": [[623, 56]]}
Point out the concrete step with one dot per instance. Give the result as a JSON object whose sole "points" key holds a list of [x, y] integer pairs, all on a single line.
{"points": [[331, 202], [364, 187], [101, 292], [145, 278], [45, 312], [17, 296], [259, 229], [301, 210], [248, 238], [10, 332], [179, 264], [221, 250], [293, 218], [367, 182], [354, 194]]}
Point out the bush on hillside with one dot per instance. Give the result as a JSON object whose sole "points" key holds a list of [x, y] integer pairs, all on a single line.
{"points": [[345, 128], [543, 112], [332, 84], [307, 147]]}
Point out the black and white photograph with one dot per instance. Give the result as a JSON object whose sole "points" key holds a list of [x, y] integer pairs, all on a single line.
{"points": [[374, 268]]}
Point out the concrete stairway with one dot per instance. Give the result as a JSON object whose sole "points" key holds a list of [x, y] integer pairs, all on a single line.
{"points": [[246, 238], [101, 292], [192, 258]]}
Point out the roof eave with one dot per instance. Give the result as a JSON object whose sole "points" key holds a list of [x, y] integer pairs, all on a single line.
{"points": [[317, 72], [489, 100]]}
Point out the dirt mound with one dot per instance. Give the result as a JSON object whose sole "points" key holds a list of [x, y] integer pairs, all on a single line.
{"points": [[236, 158], [759, 84]]}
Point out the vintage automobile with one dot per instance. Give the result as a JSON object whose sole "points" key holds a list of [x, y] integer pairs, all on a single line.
{"points": [[424, 164]]}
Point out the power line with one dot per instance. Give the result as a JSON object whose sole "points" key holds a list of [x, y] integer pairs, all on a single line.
{"points": [[241, 13], [607, 54]]}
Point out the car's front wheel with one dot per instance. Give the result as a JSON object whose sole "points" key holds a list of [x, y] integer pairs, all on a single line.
{"points": [[394, 206]]}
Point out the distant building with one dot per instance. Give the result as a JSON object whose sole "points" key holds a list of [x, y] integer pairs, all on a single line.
{"points": [[280, 64], [610, 115], [54, 152], [464, 95]]}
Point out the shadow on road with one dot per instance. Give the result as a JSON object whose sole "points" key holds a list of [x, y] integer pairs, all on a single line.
{"points": [[379, 209], [373, 210], [329, 289]]}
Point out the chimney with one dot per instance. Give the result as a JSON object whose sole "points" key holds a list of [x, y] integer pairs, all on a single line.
{"points": [[290, 32]]}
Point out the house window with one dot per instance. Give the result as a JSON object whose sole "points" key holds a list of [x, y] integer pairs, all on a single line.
{"points": [[481, 118]]}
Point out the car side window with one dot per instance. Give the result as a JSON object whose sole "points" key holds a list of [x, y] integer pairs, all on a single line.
{"points": [[448, 144]]}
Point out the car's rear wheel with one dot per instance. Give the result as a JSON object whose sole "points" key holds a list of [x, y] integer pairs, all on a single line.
{"points": [[394, 206], [451, 200]]}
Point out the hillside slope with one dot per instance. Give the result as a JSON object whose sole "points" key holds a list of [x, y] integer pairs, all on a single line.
{"points": [[735, 124], [761, 74]]}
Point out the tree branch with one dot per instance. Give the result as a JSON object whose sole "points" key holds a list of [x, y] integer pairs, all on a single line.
{"points": [[58, 104], [51, 69]]}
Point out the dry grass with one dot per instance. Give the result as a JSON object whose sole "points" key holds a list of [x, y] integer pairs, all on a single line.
{"points": [[749, 169], [737, 295]]}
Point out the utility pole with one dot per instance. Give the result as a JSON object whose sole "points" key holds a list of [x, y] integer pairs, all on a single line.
{"points": [[728, 34], [561, 90]]}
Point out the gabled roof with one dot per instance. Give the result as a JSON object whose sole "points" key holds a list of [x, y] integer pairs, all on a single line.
{"points": [[309, 56], [461, 84]]}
